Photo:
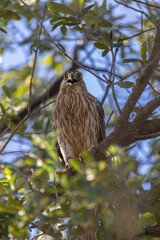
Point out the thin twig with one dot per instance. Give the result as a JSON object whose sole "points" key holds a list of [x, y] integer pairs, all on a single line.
{"points": [[13, 152], [129, 75], [142, 22], [46, 105], [105, 94], [26, 134], [139, 11], [154, 90], [39, 235], [112, 78], [113, 69], [138, 34], [115, 99], [30, 86], [12, 134], [109, 118], [147, 4], [101, 70]]}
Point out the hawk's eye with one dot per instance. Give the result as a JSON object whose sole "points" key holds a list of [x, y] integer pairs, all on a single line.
{"points": [[79, 76], [66, 76]]}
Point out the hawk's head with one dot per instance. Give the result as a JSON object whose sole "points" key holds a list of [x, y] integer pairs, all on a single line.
{"points": [[73, 80], [72, 77]]}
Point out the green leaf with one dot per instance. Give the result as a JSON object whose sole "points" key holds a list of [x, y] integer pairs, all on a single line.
{"points": [[13, 15], [96, 7], [3, 30], [9, 209], [64, 30], [65, 19], [3, 12], [85, 10], [4, 21], [128, 60], [107, 38], [6, 3], [6, 91], [104, 53], [57, 7], [76, 164], [57, 25], [100, 45], [88, 7], [71, 23], [102, 8], [126, 84]]}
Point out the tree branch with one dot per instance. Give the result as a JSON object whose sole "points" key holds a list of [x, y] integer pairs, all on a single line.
{"points": [[147, 4], [147, 111], [131, 134], [137, 34], [148, 129], [141, 83], [153, 89]]}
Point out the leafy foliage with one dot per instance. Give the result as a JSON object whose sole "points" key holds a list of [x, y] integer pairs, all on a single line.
{"points": [[118, 196], [114, 188]]}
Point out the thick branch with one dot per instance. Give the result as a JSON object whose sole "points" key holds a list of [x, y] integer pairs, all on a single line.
{"points": [[147, 111], [132, 133], [149, 129], [141, 83]]}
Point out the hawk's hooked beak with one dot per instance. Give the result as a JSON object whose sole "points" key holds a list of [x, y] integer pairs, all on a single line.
{"points": [[72, 80]]}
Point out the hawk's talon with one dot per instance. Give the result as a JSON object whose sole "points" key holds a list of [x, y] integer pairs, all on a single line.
{"points": [[67, 166], [80, 159]]}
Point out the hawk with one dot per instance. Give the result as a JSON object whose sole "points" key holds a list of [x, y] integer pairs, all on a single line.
{"points": [[78, 116]]}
